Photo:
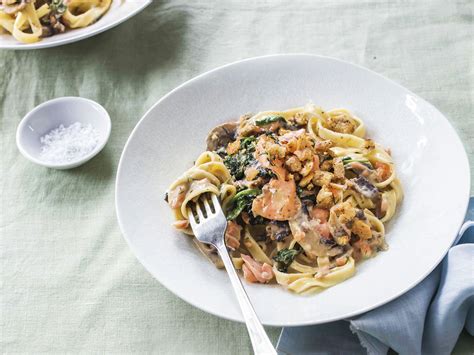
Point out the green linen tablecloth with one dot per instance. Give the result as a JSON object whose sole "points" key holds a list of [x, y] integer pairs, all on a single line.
{"points": [[69, 281]]}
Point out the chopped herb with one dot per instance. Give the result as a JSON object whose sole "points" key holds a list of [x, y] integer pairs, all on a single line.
{"points": [[269, 119], [285, 257], [241, 201], [57, 7], [166, 197]]}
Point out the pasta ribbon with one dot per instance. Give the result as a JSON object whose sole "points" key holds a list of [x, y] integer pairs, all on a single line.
{"points": [[90, 11], [306, 283], [28, 15], [208, 175], [313, 195]]}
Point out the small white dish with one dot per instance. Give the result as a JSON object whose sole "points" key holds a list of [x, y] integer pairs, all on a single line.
{"points": [[61, 111], [119, 12], [429, 157]]}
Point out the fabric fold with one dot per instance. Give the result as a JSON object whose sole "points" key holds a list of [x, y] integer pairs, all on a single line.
{"points": [[453, 302]]}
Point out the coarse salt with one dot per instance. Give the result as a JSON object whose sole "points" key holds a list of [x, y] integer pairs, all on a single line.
{"points": [[66, 144]]}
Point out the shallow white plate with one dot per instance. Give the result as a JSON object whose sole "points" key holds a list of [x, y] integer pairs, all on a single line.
{"points": [[431, 162], [119, 11]]}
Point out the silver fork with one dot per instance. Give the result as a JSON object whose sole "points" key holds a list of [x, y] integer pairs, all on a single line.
{"points": [[210, 228]]}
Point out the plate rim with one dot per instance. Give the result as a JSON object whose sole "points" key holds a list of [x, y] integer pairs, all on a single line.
{"points": [[239, 319], [141, 5]]}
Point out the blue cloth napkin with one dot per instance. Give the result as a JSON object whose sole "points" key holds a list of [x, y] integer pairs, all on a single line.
{"points": [[426, 320]]}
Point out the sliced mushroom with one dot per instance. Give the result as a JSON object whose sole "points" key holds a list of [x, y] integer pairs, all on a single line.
{"points": [[59, 27], [221, 135], [12, 7], [47, 31], [366, 188], [278, 230]]}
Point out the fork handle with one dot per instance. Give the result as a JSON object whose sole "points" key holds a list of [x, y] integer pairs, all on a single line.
{"points": [[260, 342]]}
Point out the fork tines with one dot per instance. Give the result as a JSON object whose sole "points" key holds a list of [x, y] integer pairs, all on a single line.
{"points": [[203, 207]]}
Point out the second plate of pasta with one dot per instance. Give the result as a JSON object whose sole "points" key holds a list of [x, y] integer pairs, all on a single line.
{"points": [[329, 175], [48, 23]]}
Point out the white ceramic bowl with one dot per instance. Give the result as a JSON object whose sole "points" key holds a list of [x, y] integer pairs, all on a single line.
{"points": [[429, 157], [50, 115]]}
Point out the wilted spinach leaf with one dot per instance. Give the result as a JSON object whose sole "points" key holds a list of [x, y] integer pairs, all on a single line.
{"points": [[242, 200], [266, 173], [285, 257], [238, 162], [269, 119]]}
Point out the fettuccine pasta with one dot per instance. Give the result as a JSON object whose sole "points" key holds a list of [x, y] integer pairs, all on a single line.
{"points": [[305, 192], [30, 20]]}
